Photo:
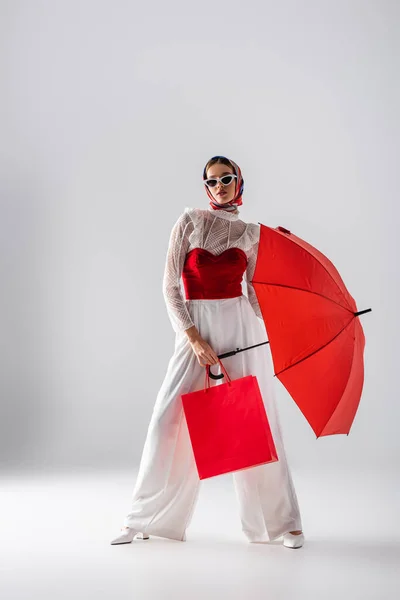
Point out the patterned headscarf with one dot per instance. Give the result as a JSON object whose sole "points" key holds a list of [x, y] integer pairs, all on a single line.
{"points": [[237, 199]]}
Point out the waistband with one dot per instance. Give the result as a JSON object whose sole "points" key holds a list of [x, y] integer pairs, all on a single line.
{"points": [[215, 299]]}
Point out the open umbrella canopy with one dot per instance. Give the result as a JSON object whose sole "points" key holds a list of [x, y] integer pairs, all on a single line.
{"points": [[316, 338]]}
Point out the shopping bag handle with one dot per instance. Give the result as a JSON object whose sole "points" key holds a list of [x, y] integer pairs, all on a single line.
{"points": [[207, 377]]}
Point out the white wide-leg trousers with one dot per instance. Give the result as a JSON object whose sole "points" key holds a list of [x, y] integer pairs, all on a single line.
{"points": [[167, 485]]}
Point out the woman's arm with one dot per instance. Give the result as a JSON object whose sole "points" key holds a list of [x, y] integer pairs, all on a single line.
{"points": [[172, 290], [193, 333], [251, 265]]}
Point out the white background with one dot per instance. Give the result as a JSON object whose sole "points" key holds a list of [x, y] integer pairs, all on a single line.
{"points": [[108, 113]]}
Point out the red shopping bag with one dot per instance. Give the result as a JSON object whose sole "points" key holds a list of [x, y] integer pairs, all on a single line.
{"points": [[228, 426]]}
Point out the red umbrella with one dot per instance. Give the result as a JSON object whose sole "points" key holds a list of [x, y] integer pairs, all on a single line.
{"points": [[316, 340]]}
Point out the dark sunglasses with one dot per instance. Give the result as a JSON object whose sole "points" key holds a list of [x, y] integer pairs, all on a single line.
{"points": [[225, 180]]}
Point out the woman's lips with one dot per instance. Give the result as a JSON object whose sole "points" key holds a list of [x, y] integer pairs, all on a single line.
{"points": [[221, 194]]}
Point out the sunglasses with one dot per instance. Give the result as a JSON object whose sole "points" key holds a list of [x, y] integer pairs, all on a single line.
{"points": [[225, 180]]}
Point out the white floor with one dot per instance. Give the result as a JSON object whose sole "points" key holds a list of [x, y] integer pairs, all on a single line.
{"points": [[56, 531]]}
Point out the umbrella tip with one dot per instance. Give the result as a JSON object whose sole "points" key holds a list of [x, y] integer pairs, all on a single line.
{"points": [[280, 228], [361, 312]]}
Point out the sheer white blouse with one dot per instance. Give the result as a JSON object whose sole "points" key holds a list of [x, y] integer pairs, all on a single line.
{"points": [[215, 231]]}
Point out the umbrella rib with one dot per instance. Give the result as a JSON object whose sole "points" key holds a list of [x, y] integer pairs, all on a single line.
{"points": [[292, 287], [315, 351], [311, 252]]}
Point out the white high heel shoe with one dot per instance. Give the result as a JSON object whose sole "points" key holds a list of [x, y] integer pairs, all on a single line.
{"points": [[128, 535], [290, 540]]}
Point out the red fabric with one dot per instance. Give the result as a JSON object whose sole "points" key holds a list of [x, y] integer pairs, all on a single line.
{"points": [[316, 341], [206, 275], [228, 426]]}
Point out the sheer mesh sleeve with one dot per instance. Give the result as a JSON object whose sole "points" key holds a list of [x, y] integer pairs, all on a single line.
{"points": [[251, 265], [172, 286]]}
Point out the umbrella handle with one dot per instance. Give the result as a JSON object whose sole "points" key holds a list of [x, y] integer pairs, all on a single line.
{"points": [[213, 376], [207, 381], [231, 353], [224, 355]]}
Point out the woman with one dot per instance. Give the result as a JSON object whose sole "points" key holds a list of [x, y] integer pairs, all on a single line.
{"points": [[211, 249]]}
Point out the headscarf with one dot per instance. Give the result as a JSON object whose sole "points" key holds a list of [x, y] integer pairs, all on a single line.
{"points": [[237, 199]]}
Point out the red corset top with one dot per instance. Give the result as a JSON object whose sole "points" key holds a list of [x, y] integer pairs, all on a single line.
{"points": [[210, 276]]}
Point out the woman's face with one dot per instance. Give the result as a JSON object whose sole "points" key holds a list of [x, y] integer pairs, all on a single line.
{"points": [[220, 192]]}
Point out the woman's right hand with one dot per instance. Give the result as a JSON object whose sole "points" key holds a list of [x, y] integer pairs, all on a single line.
{"points": [[205, 354], [202, 349]]}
